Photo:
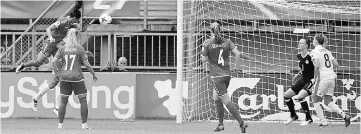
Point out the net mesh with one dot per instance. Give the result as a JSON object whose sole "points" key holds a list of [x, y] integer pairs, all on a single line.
{"points": [[262, 30]]}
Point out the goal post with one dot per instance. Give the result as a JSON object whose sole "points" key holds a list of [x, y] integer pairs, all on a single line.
{"points": [[179, 80], [267, 32]]}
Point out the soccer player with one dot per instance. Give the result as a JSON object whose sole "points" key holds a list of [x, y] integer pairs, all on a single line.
{"points": [[54, 82], [70, 75], [301, 84], [56, 33], [325, 78], [216, 53]]}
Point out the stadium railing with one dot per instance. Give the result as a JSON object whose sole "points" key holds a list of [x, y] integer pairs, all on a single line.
{"points": [[144, 51]]}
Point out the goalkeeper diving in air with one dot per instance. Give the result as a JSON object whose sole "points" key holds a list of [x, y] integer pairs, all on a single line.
{"points": [[216, 52], [302, 84]]}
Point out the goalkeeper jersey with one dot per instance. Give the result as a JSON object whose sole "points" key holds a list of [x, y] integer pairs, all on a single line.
{"points": [[306, 65]]}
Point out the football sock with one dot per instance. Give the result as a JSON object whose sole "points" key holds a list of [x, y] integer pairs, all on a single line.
{"points": [[336, 109], [291, 106], [319, 111], [83, 108], [233, 110], [57, 102], [62, 108], [220, 111], [305, 108], [43, 90]]}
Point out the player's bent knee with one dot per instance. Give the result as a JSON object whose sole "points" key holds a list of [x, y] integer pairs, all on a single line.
{"points": [[52, 85], [64, 98], [40, 60], [308, 92], [327, 100], [225, 99], [315, 98], [289, 93], [287, 99], [301, 99], [82, 97]]}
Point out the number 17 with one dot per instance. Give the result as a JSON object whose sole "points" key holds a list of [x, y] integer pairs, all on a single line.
{"points": [[67, 57]]}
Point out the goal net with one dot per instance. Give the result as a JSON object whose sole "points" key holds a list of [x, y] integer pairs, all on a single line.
{"points": [[268, 32]]}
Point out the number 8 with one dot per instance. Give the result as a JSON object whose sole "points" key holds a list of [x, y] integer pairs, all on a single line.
{"points": [[327, 61]]}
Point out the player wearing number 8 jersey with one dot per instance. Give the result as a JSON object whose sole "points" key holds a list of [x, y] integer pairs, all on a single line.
{"points": [[325, 80], [71, 77], [216, 52]]}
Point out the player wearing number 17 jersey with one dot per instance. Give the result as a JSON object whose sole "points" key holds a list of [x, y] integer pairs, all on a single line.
{"points": [[56, 33], [216, 52], [69, 72], [325, 80]]}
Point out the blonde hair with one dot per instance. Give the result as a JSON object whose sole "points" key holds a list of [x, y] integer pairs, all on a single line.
{"points": [[71, 39]]}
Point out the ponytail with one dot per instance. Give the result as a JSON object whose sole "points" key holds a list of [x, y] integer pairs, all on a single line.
{"points": [[71, 40], [321, 39], [215, 29]]}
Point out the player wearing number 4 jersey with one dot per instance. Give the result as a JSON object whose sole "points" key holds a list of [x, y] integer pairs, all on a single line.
{"points": [[216, 52], [325, 80], [71, 77]]}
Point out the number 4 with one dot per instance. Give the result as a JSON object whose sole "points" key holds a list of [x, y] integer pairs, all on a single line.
{"points": [[220, 58]]}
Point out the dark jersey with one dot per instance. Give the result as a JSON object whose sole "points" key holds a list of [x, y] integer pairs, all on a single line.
{"points": [[72, 59], [306, 65], [62, 26], [218, 56]]}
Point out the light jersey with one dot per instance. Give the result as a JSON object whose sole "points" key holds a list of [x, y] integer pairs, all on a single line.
{"points": [[72, 60], [62, 26], [324, 58], [218, 56]]}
